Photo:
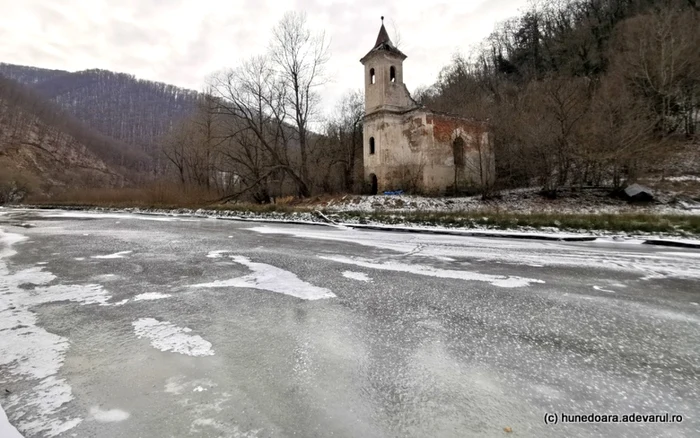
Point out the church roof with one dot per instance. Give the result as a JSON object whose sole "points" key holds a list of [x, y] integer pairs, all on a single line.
{"points": [[384, 44]]}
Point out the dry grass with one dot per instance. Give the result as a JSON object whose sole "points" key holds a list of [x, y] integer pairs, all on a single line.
{"points": [[157, 195], [626, 223], [162, 196]]}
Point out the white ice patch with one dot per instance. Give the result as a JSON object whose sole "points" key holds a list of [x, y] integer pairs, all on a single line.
{"points": [[496, 280], [603, 290], [359, 276], [179, 385], [98, 215], [110, 416], [166, 336], [682, 254], [273, 279], [6, 429], [151, 296], [30, 353], [217, 254], [116, 255]]}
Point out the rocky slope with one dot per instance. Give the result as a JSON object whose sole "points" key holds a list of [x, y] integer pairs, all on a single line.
{"points": [[43, 150]]}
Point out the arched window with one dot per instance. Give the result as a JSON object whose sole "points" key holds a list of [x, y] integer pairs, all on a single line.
{"points": [[371, 145], [458, 151], [371, 76], [392, 74]]}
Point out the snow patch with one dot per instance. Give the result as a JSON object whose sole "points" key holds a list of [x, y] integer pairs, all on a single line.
{"points": [[151, 296], [273, 279], [683, 178], [110, 416], [105, 277], [166, 336], [645, 262], [603, 290], [359, 276], [116, 255], [496, 280], [217, 254]]}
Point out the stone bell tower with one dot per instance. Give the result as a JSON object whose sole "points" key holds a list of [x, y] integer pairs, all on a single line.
{"points": [[384, 87], [386, 99]]}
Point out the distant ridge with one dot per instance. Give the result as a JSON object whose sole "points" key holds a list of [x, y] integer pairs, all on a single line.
{"points": [[135, 111]]}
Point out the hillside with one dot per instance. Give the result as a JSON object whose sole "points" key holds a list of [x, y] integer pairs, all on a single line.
{"points": [[584, 92], [137, 112], [43, 149]]}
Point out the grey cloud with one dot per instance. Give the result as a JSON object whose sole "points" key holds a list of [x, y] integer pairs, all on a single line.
{"points": [[120, 32], [220, 34]]}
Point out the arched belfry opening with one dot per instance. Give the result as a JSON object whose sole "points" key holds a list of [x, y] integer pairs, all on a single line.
{"points": [[392, 74], [372, 77], [371, 146]]}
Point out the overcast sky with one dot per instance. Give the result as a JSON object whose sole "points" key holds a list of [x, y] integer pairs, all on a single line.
{"points": [[183, 41]]}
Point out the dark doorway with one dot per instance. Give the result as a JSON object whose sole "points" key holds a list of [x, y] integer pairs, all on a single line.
{"points": [[458, 155], [374, 186], [458, 151]]}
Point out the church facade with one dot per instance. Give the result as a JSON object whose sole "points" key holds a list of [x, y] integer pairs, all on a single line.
{"points": [[411, 148]]}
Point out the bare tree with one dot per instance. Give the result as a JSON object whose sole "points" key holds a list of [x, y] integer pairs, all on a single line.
{"points": [[299, 58], [344, 135], [254, 99], [660, 52]]}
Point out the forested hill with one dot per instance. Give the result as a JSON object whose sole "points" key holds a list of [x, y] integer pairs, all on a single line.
{"points": [[137, 112], [583, 91]]}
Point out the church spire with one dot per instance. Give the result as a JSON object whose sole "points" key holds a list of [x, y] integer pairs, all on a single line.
{"points": [[384, 44], [383, 37]]}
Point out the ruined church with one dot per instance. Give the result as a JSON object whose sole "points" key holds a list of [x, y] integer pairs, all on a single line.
{"points": [[411, 148]]}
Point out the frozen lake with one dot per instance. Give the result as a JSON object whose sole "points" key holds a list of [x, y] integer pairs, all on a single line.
{"points": [[118, 325]]}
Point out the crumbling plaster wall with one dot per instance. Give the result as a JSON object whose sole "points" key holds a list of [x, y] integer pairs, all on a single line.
{"points": [[414, 151]]}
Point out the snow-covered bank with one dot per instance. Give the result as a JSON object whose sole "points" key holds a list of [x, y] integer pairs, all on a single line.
{"points": [[388, 221], [525, 201]]}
